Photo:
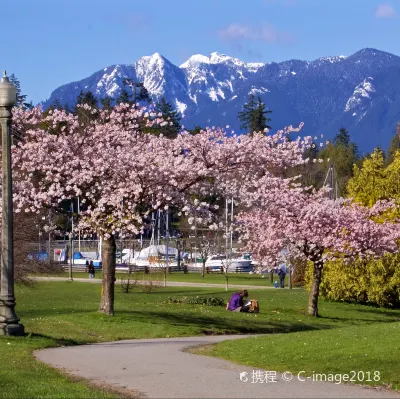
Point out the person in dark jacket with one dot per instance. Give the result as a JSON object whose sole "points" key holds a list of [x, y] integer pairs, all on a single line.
{"points": [[87, 267], [282, 274], [92, 270]]}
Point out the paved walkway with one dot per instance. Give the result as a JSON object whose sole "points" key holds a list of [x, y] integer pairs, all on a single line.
{"points": [[169, 283], [158, 368]]}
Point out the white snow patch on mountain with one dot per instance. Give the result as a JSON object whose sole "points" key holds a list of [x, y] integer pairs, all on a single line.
{"points": [[181, 107], [333, 59], [361, 91], [193, 97], [213, 94], [152, 61], [108, 82], [254, 66], [196, 61], [258, 90]]}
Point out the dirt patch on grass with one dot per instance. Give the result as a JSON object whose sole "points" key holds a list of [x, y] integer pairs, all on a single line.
{"points": [[200, 349]]}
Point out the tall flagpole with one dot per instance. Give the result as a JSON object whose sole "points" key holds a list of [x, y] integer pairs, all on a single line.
{"points": [[71, 261], [79, 231]]}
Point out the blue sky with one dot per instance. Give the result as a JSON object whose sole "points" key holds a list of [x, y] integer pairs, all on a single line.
{"points": [[48, 43]]}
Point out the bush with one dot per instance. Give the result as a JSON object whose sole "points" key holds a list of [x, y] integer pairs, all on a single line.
{"points": [[128, 282], [149, 286], [375, 282], [299, 272], [199, 300]]}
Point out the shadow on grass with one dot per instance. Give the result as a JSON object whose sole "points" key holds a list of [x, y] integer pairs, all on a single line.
{"points": [[31, 313], [58, 341], [394, 313], [221, 325], [386, 316]]}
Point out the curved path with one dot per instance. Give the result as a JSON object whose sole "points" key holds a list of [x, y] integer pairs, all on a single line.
{"points": [[169, 283], [158, 368]]}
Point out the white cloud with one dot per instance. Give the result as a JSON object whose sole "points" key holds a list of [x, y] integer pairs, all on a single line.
{"points": [[385, 10], [265, 33]]}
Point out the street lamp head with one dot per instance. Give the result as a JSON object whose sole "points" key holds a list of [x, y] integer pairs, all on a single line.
{"points": [[8, 92]]}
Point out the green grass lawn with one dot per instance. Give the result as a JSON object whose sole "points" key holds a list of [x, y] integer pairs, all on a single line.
{"points": [[373, 350], [65, 313]]}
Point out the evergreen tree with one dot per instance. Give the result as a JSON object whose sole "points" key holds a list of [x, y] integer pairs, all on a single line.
{"points": [[106, 103], [143, 94], [21, 98], [394, 145], [85, 116], [254, 115], [124, 97], [342, 138], [343, 155], [67, 109], [195, 130], [139, 92], [87, 97], [170, 115], [56, 105]]}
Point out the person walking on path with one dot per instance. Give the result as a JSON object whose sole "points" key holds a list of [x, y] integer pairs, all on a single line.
{"points": [[92, 270], [282, 274]]}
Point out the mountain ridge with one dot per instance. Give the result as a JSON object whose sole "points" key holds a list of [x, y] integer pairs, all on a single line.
{"points": [[360, 92]]}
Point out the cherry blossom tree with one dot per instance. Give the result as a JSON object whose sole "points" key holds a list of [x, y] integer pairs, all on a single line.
{"points": [[313, 227], [121, 173]]}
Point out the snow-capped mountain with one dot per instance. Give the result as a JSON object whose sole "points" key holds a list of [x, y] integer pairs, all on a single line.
{"points": [[360, 92]]}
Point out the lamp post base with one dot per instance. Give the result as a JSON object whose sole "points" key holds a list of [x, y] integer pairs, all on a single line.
{"points": [[12, 329]]}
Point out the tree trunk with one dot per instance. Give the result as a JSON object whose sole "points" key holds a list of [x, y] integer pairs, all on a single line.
{"points": [[108, 252], [314, 291], [203, 269], [179, 256]]}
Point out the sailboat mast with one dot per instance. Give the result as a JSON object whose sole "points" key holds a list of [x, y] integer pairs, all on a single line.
{"points": [[167, 236], [158, 226], [226, 232], [231, 225]]}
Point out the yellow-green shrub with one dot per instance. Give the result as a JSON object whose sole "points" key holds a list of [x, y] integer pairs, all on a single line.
{"points": [[376, 282]]}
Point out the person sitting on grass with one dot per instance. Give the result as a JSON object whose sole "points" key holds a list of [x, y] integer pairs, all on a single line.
{"points": [[236, 302]]}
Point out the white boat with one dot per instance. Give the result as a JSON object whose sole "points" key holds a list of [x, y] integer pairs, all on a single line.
{"points": [[250, 257], [154, 256], [235, 264]]}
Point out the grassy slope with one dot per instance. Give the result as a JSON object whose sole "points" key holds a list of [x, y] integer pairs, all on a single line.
{"points": [[61, 313]]}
